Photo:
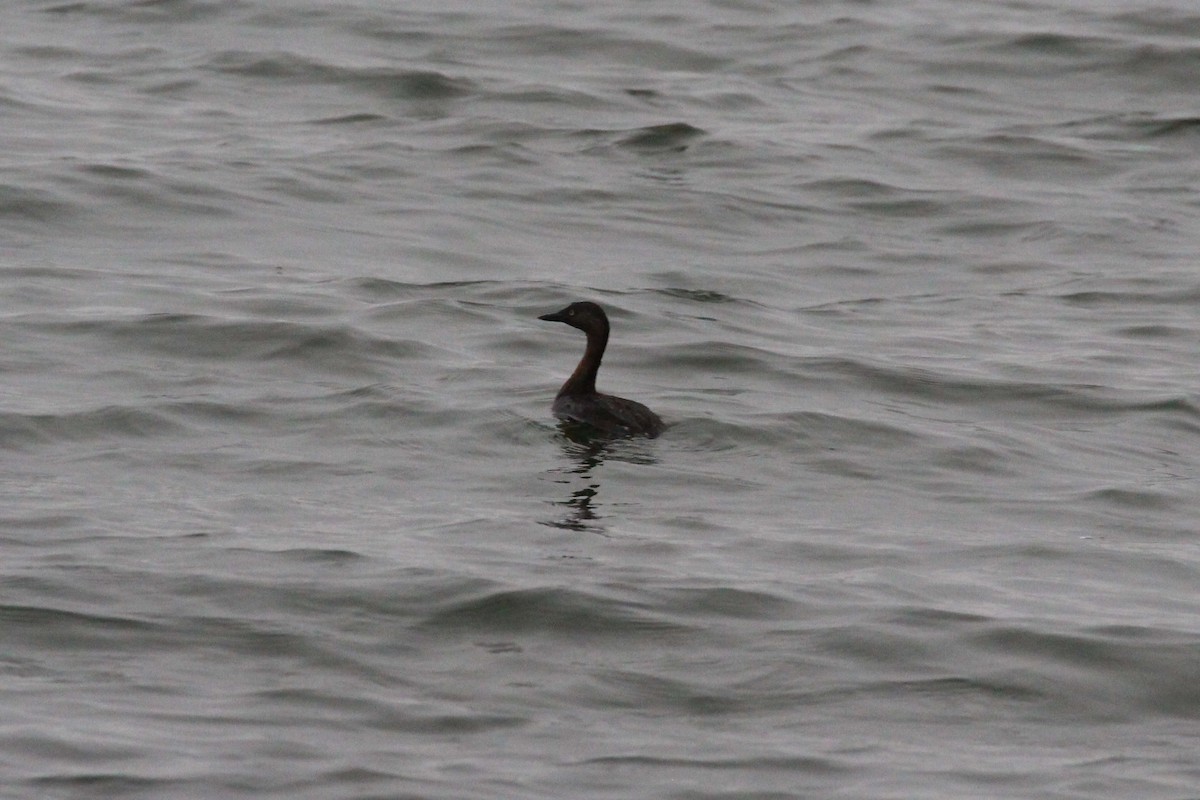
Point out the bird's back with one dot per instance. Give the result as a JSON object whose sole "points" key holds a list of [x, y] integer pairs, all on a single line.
{"points": [[608, 413]]}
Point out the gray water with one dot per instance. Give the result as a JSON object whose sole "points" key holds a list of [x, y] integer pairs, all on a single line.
{"points": [[284, 511]]}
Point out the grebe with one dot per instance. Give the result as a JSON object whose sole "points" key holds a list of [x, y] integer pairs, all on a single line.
{"points": [[578, 400]]}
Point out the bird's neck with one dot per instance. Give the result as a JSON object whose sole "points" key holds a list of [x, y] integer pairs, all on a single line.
{"points": [[583, 379]]}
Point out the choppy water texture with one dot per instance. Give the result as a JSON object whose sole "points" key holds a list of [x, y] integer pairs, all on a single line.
{"points": [[284, 512]]}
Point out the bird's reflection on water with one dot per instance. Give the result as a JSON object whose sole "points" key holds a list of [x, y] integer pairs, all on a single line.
{"points": [[588, 450]]}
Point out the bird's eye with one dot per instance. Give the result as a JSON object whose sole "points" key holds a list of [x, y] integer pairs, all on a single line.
{"points": [[571, 313]]}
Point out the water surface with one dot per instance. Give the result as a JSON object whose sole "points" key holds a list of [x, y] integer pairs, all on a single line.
{"points": [[285, 513]]}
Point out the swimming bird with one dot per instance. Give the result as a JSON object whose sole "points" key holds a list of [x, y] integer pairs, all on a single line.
{"points": [[578, 400]]}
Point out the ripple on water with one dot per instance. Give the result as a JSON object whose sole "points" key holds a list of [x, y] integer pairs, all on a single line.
{"points": [[30, 430], [551, 611]]}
